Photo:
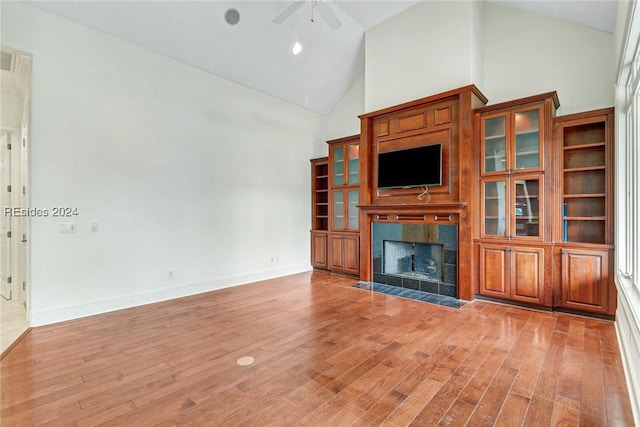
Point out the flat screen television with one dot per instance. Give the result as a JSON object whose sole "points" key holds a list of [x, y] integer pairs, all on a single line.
{"points": [[412, 167]]}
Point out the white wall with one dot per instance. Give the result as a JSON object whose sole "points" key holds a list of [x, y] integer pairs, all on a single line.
{"points": [[526, 54], [435, 46], [182, 170], [422, 51], [343, 119]]}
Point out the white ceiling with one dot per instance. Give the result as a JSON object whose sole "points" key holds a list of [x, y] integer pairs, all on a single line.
{"points": [[257, 53]]}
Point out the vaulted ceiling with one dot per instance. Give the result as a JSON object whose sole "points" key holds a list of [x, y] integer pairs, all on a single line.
{"points": [[256, 52]]}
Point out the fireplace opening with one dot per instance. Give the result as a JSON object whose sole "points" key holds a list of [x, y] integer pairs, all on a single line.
{"points": [[413, 259]]}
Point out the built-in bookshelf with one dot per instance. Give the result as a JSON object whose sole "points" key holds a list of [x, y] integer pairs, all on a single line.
{"points": [[585, 179], [320, 194], [584, 229]]}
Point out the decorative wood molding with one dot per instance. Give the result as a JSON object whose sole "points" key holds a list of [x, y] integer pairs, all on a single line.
{"points": [[522, 101]]}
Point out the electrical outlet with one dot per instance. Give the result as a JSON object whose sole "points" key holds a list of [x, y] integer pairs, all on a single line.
{"points": [[95, 226], [67, 227], [170, 274]]}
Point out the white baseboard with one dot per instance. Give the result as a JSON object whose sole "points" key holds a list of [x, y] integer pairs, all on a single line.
{"points": [[61, 314], [628, 330]]}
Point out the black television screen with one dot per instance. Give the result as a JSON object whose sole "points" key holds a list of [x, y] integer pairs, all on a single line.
{"points": [[413, 167]]}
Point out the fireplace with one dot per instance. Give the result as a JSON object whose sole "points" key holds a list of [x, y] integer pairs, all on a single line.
{"points": [[413, 259], [416, 256]]}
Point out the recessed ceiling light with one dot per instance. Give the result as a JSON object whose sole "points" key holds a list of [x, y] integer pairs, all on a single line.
{"points": [[297, 48], [232, 16]]}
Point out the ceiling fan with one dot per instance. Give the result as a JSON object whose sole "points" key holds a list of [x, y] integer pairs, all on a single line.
{"points": [[322, 7]]}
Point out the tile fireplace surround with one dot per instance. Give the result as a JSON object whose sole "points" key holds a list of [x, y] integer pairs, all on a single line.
{"points": [[416, 256]]}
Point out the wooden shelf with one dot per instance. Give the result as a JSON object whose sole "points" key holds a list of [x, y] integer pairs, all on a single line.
{"points": [[585, 169], [584, 218], [584, 146], [583, 195]]}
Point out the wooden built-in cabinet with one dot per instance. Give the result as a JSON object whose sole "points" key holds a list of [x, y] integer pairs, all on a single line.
{"points": [[513, 232], [445, 119], [344, 235], [545, 197], [335, 237], [583, 230], [530, 194], [517, 273]]}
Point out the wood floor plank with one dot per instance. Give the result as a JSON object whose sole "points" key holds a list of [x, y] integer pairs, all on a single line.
{"points": [[513, 411], [457, 415], [325, 354], [492, 401], [438, 406]]}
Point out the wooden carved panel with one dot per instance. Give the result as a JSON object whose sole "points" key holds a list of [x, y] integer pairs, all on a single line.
{"points": [[383, 128], [443, 115], [411, 122]]}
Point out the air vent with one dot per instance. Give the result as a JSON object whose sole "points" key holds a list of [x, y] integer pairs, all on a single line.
{"points": [[5, 61]]}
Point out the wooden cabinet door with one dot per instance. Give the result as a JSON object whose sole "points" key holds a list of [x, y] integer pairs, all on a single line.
{"points": [[493, 271], [585, 280], [319, 249], [527, 274], [351, 254], [336, 253], [512, 272], [344, 253]]}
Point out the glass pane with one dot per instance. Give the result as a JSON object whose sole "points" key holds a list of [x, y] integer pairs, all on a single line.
{"points": [[353, 154], [338, 166], [528, 140], [338, 210], [353, 209], [495, 218], [495, 144], [527, 207]]}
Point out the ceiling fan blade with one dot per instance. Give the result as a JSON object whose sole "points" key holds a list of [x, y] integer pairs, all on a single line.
{"points": [[288, 11], [328, 15]]}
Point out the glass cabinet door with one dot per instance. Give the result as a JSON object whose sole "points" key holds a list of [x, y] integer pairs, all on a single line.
{"points": [[494, 208], [338, 210], [527, 139], [526, 212], [495, 144], [353, 157], [352, 209], [338, 166]]}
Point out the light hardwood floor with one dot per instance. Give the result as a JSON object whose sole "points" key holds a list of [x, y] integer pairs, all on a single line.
{"points": [[325, 354], [13, 322]]}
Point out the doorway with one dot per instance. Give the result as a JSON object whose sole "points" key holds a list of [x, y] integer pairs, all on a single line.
{"points": [[15, 96]]}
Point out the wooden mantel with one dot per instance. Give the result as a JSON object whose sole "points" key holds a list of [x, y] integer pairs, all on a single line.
{"points": [[446, 119], [431, 207]]}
